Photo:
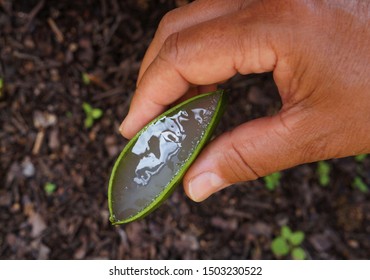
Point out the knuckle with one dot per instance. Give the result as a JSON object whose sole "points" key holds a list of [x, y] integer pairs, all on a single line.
{"points": [[170, 48], [287, 9], [237, 163], [167, 25]]}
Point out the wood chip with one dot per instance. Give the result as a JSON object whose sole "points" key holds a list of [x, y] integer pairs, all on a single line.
{"points": [[38, 142], [38, 224]]}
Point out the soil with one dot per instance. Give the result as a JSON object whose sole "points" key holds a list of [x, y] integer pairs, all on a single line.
{"points": [[56, 55]]}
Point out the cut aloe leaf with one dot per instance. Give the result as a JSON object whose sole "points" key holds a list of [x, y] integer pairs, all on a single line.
{"points": [[154, 161]]}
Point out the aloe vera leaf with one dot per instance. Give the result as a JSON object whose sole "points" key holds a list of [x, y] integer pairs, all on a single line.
{"points": [[154, 161]]}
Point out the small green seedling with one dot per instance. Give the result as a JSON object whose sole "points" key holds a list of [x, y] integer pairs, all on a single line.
{"points": [[359, 184], [289, 242], [154, 161], [272, 181], [323, 170], [1, 87], [86, 78], [50, 188], [361, 158], [91, 114]]}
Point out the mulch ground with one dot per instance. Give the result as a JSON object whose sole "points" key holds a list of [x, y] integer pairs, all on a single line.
{"points": [[56, 55]]}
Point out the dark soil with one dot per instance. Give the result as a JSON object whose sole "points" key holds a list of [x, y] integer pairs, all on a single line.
{"points": [[45, 49]]}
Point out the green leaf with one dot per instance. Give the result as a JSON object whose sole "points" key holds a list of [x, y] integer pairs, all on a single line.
{"points": [[360, 158], [86, 78], [286, 232], [96, 113], [280, 247], [296, 238], [89, 121], [91, 114], [272, 181], [360, 184], [155, 160], [50, 188], [87, 108], [298, 253], [1, 87], [323, 170]]}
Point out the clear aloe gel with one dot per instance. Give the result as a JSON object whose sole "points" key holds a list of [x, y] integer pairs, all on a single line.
{"points": [[157, 157]]}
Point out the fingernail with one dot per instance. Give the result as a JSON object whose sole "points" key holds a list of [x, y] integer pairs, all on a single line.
{"points": [[205, 184]]}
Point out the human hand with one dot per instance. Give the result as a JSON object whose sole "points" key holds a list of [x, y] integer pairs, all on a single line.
{"points": [[319, 54]]}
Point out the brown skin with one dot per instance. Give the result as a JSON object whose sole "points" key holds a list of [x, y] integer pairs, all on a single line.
{"points": [[319, 52]]}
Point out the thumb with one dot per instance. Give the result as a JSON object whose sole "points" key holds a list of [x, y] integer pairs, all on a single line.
{"points": [[252, 150]]}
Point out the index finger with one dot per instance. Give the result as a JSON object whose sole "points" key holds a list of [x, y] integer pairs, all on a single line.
{"points": [[204, 54], [184, 17]]}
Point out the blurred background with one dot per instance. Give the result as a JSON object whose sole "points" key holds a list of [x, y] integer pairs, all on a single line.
{"points": [[67, 72]]}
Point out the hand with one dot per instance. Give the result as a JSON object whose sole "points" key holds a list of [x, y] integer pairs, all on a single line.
{"points": [[320, 57]]}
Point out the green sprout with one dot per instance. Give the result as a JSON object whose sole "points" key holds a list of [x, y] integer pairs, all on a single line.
{"points": [[86, 78], [91, 114], [323, 170], [50, 188], [272, 181], [289, 242], [360, 158], [1, 87], [360, 184]]}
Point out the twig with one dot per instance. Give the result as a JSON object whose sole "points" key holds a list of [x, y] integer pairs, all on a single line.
{"points": [[113, 29], [19, 123], [58, 34], [108, 93], [20, 55], [240, 214], [38, 142], [98, 81], [33, 14]]}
